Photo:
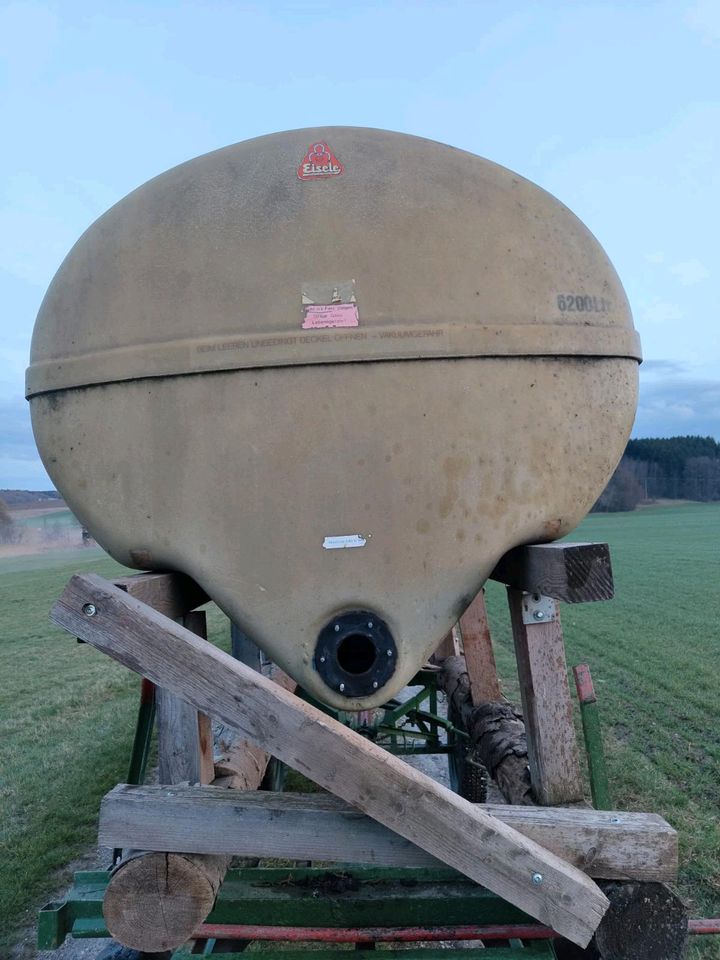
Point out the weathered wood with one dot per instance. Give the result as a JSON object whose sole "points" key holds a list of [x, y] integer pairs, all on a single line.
{"points": [[155, 901], [381, 785], [449, 646], [172, 594], [573, 572], [496, 731], [238, 762], [177, 885], [478, 651], [638, 846], [547, 707], [185, 747]]}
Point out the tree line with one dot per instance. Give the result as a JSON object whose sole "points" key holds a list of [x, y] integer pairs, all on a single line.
{"points": [[672, 468]]}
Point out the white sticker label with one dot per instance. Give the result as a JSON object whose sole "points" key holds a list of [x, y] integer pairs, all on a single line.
{"points": [[342, 543]]}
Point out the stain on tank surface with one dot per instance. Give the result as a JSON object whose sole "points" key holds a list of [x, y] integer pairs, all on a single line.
{"points": [[455, 469]]}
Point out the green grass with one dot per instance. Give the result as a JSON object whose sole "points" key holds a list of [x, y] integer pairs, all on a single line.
{"points": [[654, 652], [66, 722], [67, 711]]}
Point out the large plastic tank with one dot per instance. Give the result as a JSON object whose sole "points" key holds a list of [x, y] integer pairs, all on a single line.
{"points": [[333, 375]]}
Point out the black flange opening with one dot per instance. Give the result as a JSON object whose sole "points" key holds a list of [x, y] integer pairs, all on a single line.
{"points": [[355, 653]]}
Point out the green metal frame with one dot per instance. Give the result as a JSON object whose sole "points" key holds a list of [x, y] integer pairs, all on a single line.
{"points": [[315, 897], [403, 727], [530, 951], [597, 771]]}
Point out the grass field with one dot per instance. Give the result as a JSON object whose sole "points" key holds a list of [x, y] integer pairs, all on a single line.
{"points": [[66, 723], [655, 656], [66, 711]]}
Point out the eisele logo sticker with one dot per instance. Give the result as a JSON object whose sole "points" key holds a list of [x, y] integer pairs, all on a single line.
{"points": [[319, 162]]}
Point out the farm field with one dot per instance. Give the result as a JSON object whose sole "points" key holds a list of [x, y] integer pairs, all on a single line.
{"points": [[66, 724], [654, 652], [66, 711]]}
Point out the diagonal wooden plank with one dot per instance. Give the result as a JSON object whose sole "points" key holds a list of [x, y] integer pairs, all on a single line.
{"points": [[381, 785]]}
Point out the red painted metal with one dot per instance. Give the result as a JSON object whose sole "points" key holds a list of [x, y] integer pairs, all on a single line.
{"points": [[147, 691], [584, 684], [232, 931], [704, 927], [368, 934]]}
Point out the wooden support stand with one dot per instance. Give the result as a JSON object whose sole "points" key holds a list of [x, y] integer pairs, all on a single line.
{"points": [[547, 707], [538, 576], [538, 859], [379, 784], [573, 572]]}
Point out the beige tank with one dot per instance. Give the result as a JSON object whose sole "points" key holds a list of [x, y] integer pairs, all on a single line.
{"points": [[333, 375]]}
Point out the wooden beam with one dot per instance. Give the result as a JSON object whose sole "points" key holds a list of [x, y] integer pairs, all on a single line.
{"points": [[449, 646], [573, 572], [338, 759], [478, 650], [172, 594], [185, 743], [631, 846], [547, 707]]}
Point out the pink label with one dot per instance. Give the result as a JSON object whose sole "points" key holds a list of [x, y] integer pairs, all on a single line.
{"points": [[330, 315]]}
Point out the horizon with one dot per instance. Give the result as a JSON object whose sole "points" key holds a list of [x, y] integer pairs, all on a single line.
{"points": [[579, 99]]}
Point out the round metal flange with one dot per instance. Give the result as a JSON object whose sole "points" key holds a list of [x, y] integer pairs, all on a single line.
{"points": [[355, 653]]}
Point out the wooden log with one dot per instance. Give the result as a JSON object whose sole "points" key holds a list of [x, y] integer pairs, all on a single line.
{"points": [[157, 897], [573, 572], [496, 731], [172, 594], [381, 785], [478, 651], [646, 921], [238, 762], [638, 846], [547, 706], [155, 901]]}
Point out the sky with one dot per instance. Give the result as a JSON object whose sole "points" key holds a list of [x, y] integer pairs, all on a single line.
{"points": [[613, 107]]}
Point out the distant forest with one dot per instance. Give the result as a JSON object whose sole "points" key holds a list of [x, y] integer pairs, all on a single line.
{"points": [[676, 468]]}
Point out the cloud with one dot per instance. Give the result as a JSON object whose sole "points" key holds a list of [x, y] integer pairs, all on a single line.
{"points": [[671, 367], [678, 405], [20, 465], [704, 17], [690, 272], [18, 442], [660, 311]]}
